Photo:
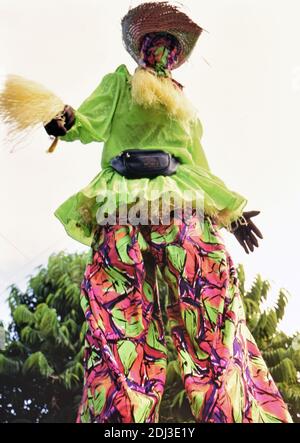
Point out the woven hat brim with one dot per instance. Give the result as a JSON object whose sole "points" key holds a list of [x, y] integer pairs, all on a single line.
{"points": [[159, 17]]}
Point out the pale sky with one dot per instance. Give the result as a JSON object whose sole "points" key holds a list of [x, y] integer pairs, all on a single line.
{"points": [[244, 79]]}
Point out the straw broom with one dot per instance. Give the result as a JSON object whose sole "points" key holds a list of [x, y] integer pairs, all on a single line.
{"points": [[25, 104]]}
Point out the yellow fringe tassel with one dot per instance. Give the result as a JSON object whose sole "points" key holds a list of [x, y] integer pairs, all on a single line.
{"points": [[150, 90]]}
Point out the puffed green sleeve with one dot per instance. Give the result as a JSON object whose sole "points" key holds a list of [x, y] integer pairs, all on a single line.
{"points": [[94, 116], [198, 154], [223, 203]]}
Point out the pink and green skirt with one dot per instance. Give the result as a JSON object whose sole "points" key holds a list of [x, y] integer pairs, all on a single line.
{"points": [[224, 374]]}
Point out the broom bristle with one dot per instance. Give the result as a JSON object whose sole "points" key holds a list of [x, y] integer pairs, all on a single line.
{"points": [[25, 103]]}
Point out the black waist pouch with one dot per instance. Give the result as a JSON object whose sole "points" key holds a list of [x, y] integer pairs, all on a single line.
{"points": [[140, 163]]}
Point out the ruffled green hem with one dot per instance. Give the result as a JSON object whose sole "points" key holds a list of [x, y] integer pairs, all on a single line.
{"points": [[79, 214]]}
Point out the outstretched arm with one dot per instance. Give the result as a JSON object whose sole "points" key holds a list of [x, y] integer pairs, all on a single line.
{"points": [[92, 120]]}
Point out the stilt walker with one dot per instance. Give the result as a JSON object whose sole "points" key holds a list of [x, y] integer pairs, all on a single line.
{"points": [[152, 149]]}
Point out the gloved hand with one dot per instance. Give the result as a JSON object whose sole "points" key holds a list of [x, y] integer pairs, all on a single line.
{"points": [[244, 229], [60, 124]]}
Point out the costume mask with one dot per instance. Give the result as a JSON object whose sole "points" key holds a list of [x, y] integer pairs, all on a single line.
{"points": [[159, 52]]}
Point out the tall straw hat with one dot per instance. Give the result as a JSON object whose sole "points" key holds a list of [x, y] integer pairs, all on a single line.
{"points": [[159, 17]]}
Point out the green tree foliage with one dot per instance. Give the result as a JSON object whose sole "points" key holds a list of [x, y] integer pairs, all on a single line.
{"points": [[41, 372], [41, 368], [280, 351]]}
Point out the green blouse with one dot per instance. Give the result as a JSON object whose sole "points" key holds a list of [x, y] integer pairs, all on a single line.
{"points": [[109, 115]]}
